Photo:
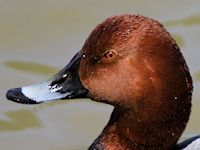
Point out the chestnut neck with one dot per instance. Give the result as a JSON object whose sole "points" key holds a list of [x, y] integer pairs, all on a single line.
{"points": [[129, 129]]}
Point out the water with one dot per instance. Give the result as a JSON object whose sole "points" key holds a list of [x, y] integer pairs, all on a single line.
{"points": [[37, 38]]}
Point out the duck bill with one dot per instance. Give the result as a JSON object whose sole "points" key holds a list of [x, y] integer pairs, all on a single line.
{"points": [[64, 85]]}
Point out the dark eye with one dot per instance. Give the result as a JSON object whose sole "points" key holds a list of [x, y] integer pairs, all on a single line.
{"points": [[109, 54]]}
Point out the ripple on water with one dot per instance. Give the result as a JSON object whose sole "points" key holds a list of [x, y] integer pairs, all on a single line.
{"points": [[179, 39], [31, 67], [19, 120], [187, 21], [197, 76]]}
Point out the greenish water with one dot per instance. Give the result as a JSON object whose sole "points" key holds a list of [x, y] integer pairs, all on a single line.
{"points": [[179, 39], [31, 67], [39, 37], [197, 76], [187, 21], [19, 120]]}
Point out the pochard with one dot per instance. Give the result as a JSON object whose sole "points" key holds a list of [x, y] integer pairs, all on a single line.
{"points": [[134, 64]]}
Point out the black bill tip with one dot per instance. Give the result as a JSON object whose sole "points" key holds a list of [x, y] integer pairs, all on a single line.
{"points": [[16, 95]]}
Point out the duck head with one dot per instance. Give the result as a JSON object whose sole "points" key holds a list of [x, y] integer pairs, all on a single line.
{"points": [[132, 63]]}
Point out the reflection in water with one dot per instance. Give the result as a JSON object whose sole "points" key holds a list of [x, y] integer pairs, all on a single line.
{"points": [[191, 20], [179, 39], [19, 120], [31, 67], [197, 76]]}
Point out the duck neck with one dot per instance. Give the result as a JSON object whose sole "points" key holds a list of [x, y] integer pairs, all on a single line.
{"points": [[110, 137], [131, 129]]}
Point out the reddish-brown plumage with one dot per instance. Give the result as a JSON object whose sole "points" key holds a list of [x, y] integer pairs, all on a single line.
{"points": [[147, 81]]}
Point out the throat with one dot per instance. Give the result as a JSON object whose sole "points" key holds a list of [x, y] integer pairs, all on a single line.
{"points": [[109, 140], [111, 137]]}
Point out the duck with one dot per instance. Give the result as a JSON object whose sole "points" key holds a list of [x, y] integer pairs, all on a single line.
{"points": [[133, 63]]}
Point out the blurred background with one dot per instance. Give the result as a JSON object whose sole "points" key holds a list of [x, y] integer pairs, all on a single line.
{"points": [[38, 37]]}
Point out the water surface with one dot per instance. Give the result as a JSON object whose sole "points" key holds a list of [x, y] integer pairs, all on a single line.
{"points": [[37, 38]]}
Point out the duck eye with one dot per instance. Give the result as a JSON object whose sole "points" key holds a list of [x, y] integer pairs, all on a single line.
{"points": [[109, 54]]}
